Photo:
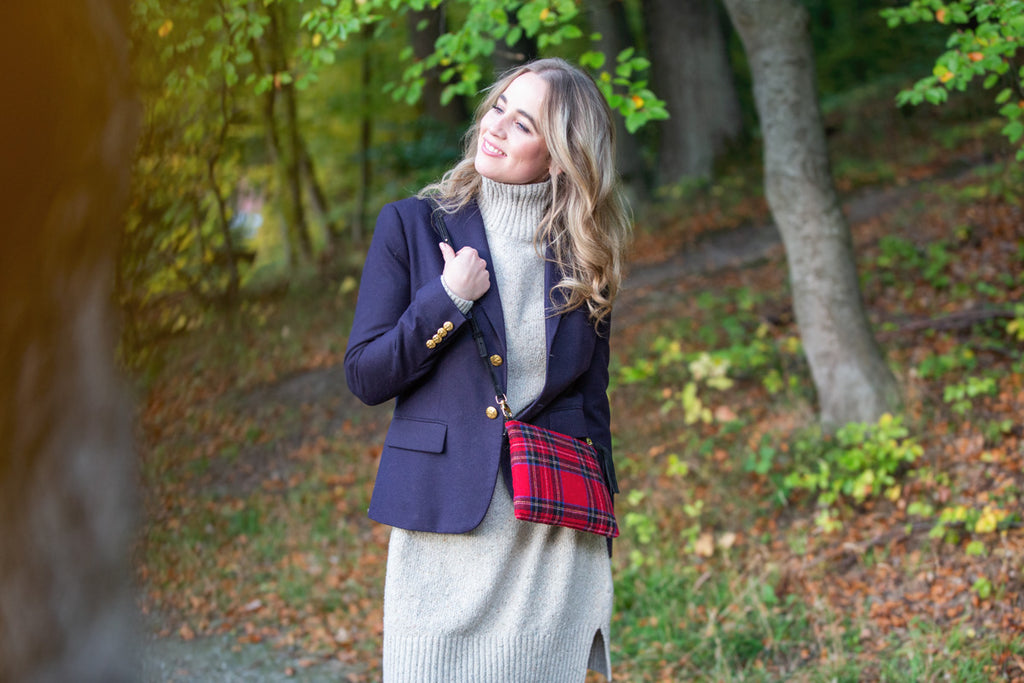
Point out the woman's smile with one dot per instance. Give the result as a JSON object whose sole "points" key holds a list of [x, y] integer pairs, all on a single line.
{"points": [[490, 149]]}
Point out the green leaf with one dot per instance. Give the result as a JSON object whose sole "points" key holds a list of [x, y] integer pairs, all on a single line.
{"points": [[592, 59], [571, 32], [1014, 130], [936, 95], [640, 64]]}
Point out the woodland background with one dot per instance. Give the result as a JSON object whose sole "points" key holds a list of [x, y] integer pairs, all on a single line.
{"points": [[816, 375]]}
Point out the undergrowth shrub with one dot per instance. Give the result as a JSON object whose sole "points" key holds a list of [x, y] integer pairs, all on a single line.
{"points": [[860, 461]]}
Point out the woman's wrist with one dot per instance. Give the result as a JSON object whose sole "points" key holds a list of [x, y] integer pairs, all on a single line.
{"points": [[462, 304]]}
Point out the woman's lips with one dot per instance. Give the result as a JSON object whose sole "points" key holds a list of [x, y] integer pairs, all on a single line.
{"points": [[489, 149]]}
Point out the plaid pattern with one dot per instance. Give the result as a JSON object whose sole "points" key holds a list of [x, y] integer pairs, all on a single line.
{"points": [[556, 479]]}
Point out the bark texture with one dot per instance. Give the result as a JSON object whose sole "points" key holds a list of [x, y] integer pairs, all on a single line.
{"points": [[853, 382], [690, 70], [67, 481]]}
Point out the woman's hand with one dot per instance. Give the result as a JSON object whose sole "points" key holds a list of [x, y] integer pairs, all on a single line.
{"points": [[465, 272]]}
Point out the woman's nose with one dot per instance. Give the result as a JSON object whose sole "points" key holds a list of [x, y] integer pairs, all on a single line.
{"points": [[497, 126]]}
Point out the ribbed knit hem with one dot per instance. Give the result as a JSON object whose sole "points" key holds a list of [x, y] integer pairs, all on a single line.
{"points": [[462, 304], [560, 657]]}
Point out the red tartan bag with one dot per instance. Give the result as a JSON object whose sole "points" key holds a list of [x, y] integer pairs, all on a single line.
{"points": [[558, 480]]}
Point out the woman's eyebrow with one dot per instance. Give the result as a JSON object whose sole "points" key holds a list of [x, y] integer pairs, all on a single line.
{"points": [[504, 100]]}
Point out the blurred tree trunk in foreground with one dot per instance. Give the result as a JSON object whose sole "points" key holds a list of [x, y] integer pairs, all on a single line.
{"points": [[690, 70], [67, 479], [853, 382]]}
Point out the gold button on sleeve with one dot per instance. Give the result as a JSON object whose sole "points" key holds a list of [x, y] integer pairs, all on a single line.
{"points": [[448, 325], [431, 343], [441, 332], [436, 339], [496, 360], [492, 412]]}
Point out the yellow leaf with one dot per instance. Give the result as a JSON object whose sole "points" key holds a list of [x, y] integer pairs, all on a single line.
{"points": [[705, 545], [986, 523], [544, 14], [317, 39], [347, 285], [638, 101], [165, 28], [725, 414]]}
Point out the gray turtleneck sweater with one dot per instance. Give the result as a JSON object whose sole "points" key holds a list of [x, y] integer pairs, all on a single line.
{"points": [[511, 214]]}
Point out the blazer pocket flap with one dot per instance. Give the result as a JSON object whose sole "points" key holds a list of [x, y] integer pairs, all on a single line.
{"points": [[416, 435]]}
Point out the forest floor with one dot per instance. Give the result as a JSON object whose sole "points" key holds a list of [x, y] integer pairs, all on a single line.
{"points": [[256, 561]]}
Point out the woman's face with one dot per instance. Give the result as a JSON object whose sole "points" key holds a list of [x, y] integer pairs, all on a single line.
{"points": [[510, 148]]}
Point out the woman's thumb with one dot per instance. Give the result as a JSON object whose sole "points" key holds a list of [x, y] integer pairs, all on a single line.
{"points": [[446, 251]]}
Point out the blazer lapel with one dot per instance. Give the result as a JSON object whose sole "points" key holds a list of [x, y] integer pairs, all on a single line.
{"points": [[467, 229], [553, 301]]}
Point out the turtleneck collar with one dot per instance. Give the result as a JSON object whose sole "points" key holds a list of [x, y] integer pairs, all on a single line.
{"points": [[513, 210]]}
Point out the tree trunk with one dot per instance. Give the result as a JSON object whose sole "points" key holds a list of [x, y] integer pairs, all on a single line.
{"points": [[316, 191], [365, 140], [234, 281], [292, 167], [67, 479], [853, 382], [274, 151], [690, 70], [608, 17], [455, 114], [505, 58]]}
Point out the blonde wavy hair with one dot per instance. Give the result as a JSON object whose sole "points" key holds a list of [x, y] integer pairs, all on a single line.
{"points": [[586, 224]]}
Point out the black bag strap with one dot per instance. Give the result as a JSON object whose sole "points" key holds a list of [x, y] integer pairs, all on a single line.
{"points": [[441, 228]]}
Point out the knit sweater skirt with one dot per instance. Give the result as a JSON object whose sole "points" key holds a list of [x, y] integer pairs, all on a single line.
{"points": [[510, 601]]}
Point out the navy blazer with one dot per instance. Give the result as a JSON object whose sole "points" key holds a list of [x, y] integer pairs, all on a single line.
{"points": [[409, 341]]}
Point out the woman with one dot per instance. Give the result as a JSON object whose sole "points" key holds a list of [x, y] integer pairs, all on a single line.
{"points": [[472, 594]]}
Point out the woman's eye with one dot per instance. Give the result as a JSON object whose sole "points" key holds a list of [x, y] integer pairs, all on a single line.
{"points": [[522, 127]]}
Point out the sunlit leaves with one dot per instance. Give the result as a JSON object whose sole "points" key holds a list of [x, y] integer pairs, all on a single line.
{"points": [[985, 42], [465, 50]]}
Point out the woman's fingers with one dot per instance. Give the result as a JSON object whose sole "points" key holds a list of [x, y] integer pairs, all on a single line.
{"points": [[465, 272], [446, 251]]}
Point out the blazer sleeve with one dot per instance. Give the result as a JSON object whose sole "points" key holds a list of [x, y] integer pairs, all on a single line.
{"points": [[402, 307]]}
